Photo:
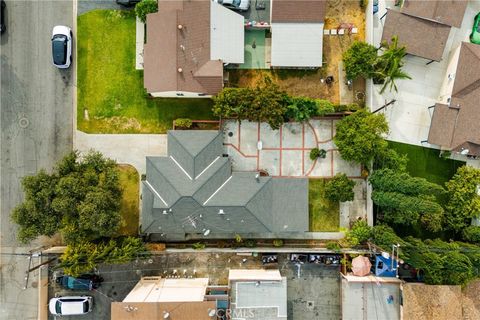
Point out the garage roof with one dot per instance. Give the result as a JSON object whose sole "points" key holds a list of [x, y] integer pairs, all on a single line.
{"points": [[297, 44]]}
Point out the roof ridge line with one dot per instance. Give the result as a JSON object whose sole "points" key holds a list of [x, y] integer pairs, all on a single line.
{"points": [[216, 191], [166, 179]]}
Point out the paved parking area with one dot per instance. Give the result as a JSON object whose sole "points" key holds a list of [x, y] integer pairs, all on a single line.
{"points": [[409, 117], [285, 152], [312, 293]]}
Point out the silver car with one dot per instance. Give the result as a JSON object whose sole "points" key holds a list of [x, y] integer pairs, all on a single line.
{"points": [[62, 46]]}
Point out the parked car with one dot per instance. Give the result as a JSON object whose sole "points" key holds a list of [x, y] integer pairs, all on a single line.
{"points": [[71, 305], [83, 282], [299, 258], [238, 5], [475, 35], [269, 258], [62, 46], [127, 3], [3, 6]]}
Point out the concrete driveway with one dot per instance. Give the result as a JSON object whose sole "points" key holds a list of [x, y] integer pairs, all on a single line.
{"points": [[124, 148], [409, 117], [36, 129]]}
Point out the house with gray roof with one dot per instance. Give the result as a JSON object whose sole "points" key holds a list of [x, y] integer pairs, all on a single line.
{"points": [[192, 193]]}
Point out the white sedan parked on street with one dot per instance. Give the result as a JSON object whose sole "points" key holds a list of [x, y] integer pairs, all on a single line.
{"points": [[62, 46], [73, 305]]}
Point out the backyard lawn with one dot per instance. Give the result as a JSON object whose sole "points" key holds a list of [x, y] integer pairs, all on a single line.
{"points": [[111, 97], [426, 162], [324, 214], [129, 210]]}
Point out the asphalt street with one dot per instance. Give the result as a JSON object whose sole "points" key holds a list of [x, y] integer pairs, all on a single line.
{"points": [[36, 110]]}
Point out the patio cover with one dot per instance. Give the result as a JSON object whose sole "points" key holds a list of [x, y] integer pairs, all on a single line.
{"points": [[422, 38], [227, 35], [297, 45]]}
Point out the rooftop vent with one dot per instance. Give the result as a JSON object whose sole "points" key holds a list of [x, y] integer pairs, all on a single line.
{"points": [[220, 211], [180, 70], [180, 27]]}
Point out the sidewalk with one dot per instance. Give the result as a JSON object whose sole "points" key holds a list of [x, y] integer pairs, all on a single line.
{"points": [[124, 148]]}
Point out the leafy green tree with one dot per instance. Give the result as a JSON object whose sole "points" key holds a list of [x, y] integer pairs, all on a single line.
{"points": [[359, 136], [145, 7], [316, 153], [389, 65], [269, 104], [339, 188], [84, 256], [463, 200], [324, 107], [444, 263], [390, 159], [471, 234], [359, 60], [384, 236], [264, 103], [183, 122], [301, 108], [406, 200], [360, 233], [403, 209], [80, 198], [402, 182]]}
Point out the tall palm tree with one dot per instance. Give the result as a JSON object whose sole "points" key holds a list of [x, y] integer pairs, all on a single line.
{"points": [[389, 64]]}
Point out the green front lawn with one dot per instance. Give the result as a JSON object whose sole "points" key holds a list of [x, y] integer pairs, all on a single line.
{"points": [[129, 204], [426, 162], [324, 214], [112, 90]]}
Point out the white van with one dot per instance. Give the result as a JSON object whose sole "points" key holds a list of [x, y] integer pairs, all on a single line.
{"points": [[73, 305]]}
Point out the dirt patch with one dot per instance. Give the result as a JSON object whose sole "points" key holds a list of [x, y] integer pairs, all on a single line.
{"points": [[308, 82], [430, 302], [471, 301]]}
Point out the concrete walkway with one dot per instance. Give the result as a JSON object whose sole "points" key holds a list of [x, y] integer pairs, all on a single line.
{"points": [[124, 148]]}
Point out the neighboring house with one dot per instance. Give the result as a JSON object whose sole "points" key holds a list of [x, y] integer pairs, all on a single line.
{"points": [[423, 27], [297, 33], [257, 294], [370, 297], [189, 42], [456, 117], [160, 298], [192, 194]]}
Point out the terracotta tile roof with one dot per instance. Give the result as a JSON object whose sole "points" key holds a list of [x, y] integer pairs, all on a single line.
{"points": [[461, 121], [298, 10], [422, 38], [448, 12], [170, 49]]}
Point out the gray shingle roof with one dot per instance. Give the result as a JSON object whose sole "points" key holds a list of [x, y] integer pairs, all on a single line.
{"points": [[194, 189]]}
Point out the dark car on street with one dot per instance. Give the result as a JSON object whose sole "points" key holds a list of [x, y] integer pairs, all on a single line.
{"points": [[3, 6], [83, 282], [127, 3]]}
